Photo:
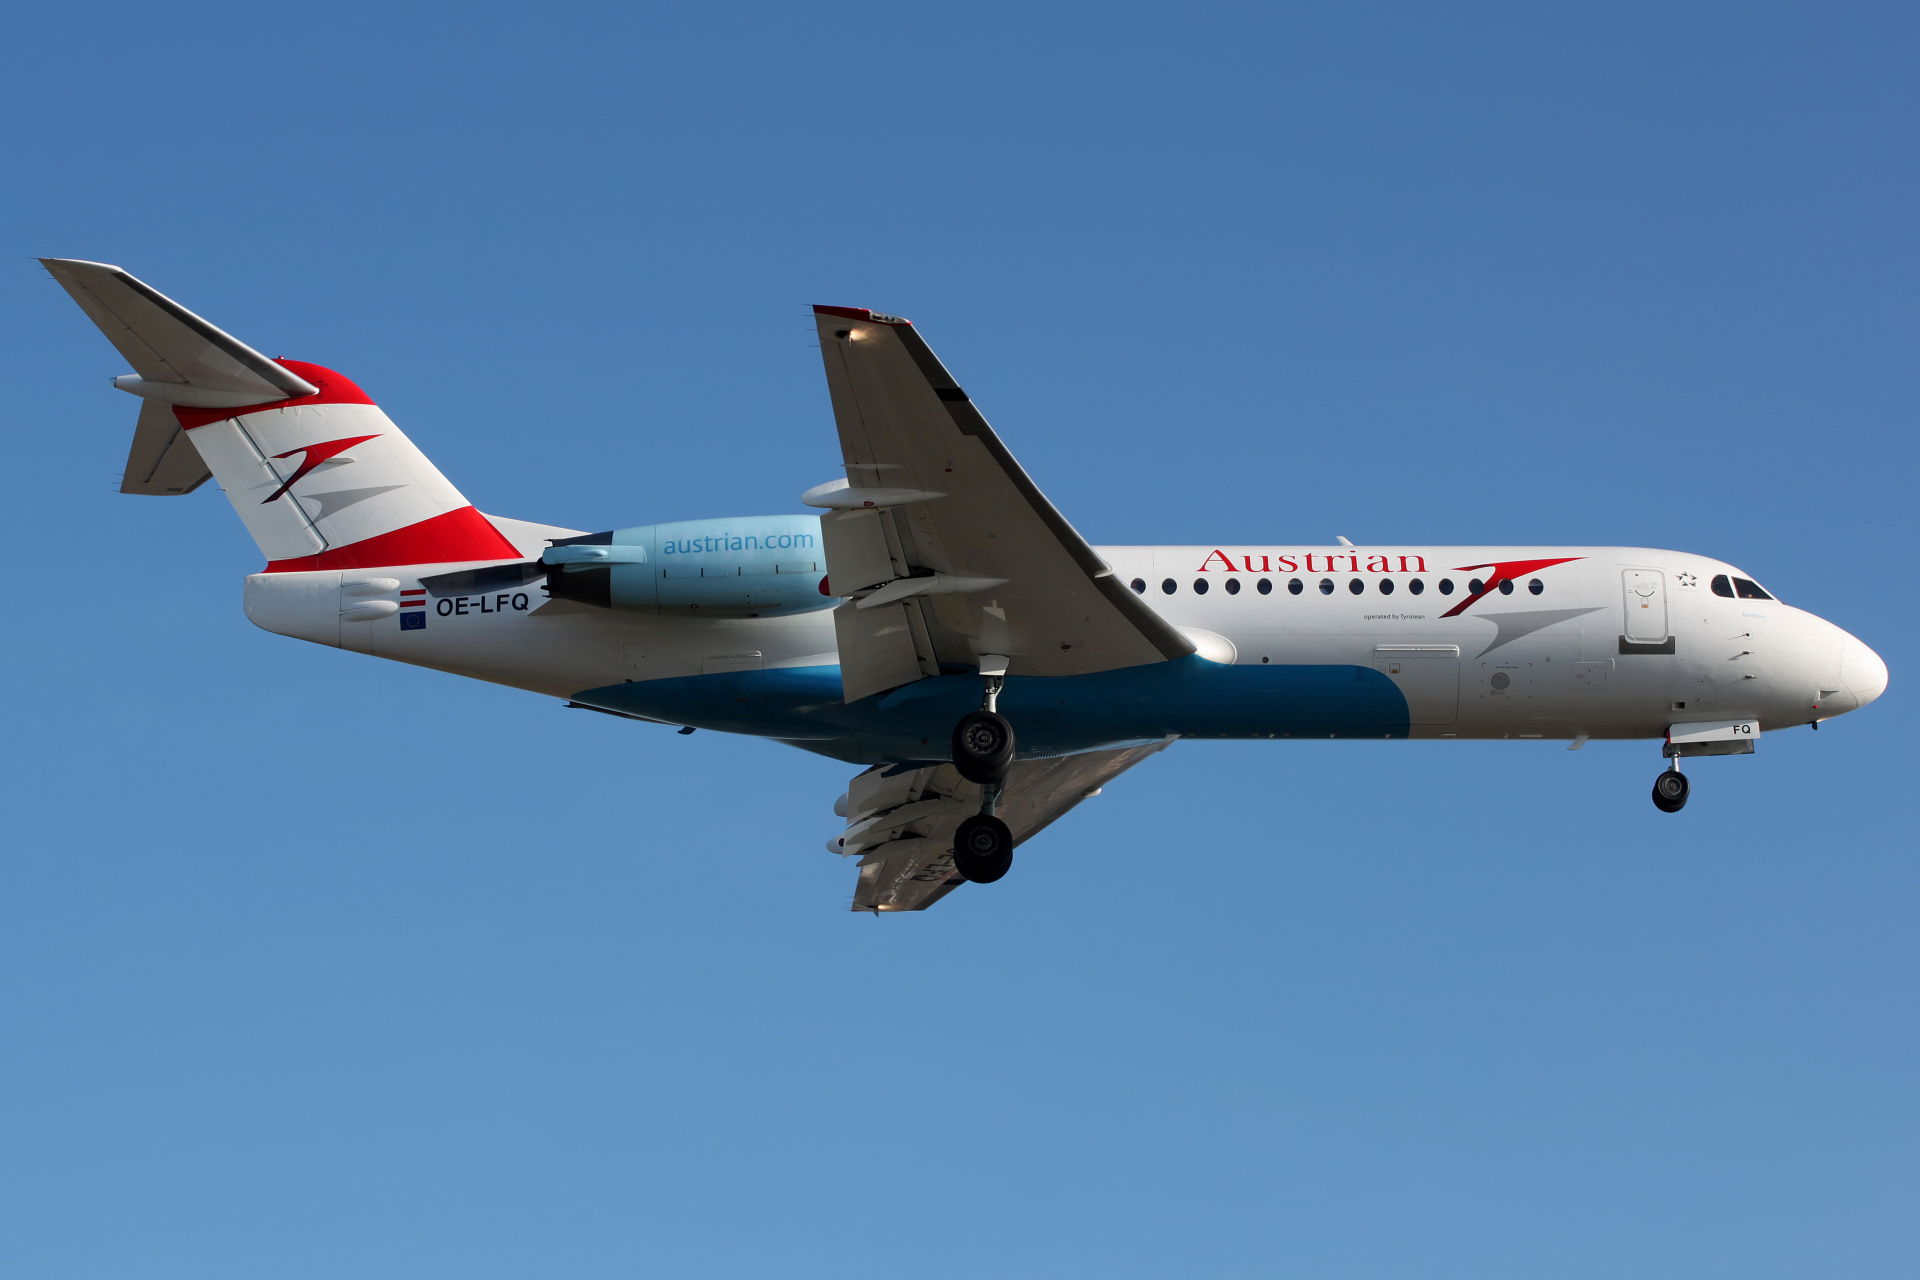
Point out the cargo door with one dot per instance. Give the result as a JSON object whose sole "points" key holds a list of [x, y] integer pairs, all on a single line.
{"points": [[1429, 677]]}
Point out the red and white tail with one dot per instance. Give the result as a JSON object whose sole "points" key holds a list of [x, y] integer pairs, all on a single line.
{"points": [[320, 476], [327, 481]]}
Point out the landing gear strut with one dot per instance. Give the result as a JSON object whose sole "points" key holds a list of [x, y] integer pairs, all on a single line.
{"points": [[1670, 791], [982, 752]]}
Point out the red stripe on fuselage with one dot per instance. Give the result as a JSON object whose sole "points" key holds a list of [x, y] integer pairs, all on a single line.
{"points": [[462, 534]]}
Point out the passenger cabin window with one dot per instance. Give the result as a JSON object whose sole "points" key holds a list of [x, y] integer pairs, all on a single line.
{"points": [[1169, 586], [1356, 586], [1199, 586], [1536, 586], [1446, 586], [1266, 586], [1416, 586], [1475, 586], [1326, 586], [1139, 586], [1506, 586], [1386, 586], [1233, 586], [1295, 586]]}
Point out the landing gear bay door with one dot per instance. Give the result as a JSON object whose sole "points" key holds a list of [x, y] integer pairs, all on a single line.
{"points": [[944, 546]]}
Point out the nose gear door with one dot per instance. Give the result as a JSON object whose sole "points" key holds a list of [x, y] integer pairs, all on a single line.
{"points": [[1646, 593]]}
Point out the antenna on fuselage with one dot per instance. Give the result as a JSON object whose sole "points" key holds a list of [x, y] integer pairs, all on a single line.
{"points": [[1343, 539]]}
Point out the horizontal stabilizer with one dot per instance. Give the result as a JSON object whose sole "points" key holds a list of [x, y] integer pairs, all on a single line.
{"points": [[169, 346]]}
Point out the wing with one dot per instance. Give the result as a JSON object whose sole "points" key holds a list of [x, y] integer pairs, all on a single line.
{"points": [[901, 821], [946, 548]]}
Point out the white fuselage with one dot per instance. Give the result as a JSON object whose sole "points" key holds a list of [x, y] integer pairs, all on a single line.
{"points": [[1602, 642]]}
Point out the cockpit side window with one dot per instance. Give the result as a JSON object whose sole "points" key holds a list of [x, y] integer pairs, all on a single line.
{"points": [[1722, 585], [1748, 589]]}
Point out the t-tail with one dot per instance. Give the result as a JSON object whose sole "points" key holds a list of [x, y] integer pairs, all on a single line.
{"points": [[319, 475]]}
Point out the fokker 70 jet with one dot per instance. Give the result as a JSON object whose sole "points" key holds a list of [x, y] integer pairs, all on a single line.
{"points": [[940, 622]]}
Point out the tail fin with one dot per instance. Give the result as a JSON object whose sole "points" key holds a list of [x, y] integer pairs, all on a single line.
{"points": [[321, 478]]}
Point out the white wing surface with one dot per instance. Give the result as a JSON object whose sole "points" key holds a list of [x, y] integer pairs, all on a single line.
{"points": [[946, 548], [901, 821]]}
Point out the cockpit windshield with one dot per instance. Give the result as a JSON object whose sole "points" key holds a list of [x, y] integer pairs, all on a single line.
{"points": [[1738, 588]]}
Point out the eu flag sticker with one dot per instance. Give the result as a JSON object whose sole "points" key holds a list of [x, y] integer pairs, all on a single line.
{"points": [[413, 621]]}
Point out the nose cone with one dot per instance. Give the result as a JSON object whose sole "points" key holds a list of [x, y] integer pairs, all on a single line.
{"points": [[1862, 672]]}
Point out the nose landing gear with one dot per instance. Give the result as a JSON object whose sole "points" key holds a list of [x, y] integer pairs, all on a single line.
{"points": [[983, 752], [1670, 791]]}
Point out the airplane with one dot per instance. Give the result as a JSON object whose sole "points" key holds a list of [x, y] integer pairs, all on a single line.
{"points": [[939, 621]]}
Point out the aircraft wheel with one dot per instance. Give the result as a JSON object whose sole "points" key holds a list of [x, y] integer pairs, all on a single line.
{"points": [[982, 746], [1670, 791], [983, 848]]}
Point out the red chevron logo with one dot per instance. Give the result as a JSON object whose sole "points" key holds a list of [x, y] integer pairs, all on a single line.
{"points": [[1505, 569], [316, 454]]}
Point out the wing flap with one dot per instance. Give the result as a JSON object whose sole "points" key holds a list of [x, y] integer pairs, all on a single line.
{"points": [[950, 501], [877, 648], [908, 865]]}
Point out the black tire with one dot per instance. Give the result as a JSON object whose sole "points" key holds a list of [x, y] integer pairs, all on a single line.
{"points": [[983, 849], [1670, 791], [982, 746]]}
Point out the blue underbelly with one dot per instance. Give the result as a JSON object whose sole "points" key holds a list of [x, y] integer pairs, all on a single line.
{"points": [[1190, 697]]}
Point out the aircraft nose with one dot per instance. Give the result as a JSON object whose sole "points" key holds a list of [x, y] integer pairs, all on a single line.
{"points": [[1862, 671]]}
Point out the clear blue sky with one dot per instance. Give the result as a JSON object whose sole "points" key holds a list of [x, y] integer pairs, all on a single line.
{"points": [[315, 967]]}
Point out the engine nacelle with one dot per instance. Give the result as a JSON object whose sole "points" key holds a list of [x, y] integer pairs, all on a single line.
{"points": [[742, 568]]}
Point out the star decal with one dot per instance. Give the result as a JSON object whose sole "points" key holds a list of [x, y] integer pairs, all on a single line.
{"points": [[1687, 579]]}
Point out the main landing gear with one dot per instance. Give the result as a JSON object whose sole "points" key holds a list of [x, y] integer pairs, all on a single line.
{"points": [[983, 849], [1670, 791], [983, 752]]}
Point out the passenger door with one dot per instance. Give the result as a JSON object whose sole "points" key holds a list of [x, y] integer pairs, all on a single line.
{"points": [[1646, 597]]}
